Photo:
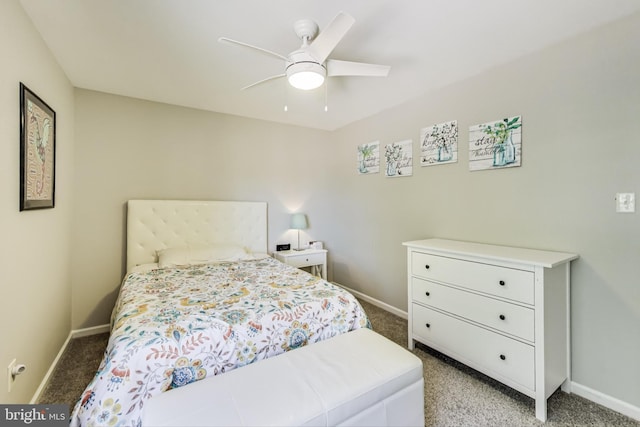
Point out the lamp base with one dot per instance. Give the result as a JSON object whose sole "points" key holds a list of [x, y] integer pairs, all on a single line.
{"points": [[299, 248]]}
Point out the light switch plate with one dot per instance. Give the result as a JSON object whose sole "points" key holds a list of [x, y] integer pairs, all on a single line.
{"points": [[625, 202]]}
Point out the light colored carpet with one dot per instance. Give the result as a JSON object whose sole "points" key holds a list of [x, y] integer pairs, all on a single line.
{"points": [[455, 395]]}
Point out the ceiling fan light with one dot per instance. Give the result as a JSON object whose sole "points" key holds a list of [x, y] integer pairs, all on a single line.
{"points": [[306, 80], [306, 75]]}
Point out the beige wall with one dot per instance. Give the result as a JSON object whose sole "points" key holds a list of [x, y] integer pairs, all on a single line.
{"points": [[35, 286], [580, 106], [130, 149]]}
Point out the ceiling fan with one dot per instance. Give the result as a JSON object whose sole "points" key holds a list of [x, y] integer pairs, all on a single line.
{"points": [[307, 67]]}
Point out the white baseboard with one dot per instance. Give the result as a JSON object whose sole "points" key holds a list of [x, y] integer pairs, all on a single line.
{"points": [[45, 380], [383, 305], [94, 330], [76, 333], [607, 401]]}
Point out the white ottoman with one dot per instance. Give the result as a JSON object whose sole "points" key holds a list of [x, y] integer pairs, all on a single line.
{"points": [[359, 378]]}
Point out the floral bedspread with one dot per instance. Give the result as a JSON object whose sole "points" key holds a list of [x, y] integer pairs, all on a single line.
{"points": [[173, 326]]}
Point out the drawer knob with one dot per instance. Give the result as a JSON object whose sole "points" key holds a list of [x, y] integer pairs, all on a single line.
{"points": [[501, 282], [502, 317], [426, 266], [428, 325], [503, 357], [427, 293]]}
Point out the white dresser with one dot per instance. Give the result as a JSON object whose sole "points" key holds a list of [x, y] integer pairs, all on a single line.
{"points": [[501, 310]]}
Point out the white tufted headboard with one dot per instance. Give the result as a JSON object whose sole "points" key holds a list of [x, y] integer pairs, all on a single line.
{"points": [[158, 224]]}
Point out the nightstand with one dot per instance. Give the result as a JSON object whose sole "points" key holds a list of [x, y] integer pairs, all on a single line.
{"points": [[314, 258]]}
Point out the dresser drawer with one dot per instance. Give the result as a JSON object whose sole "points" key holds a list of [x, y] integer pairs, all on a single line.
{"points": [[504, 282], [305, 260], [503, 316], [476, 346]]}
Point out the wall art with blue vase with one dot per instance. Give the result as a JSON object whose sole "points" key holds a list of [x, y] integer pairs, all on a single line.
{"points": [[496, 145], [439, 144]]}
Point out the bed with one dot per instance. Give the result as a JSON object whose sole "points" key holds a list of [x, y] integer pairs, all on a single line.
{"points": [[202, 297]]}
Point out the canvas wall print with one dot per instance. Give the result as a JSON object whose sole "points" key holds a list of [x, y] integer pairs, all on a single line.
{"points": [[496, 145], [439, 144], [369, 158], [37, 151], [399, 158]]}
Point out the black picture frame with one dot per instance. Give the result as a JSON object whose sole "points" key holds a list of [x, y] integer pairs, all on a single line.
{"points": [[37, 152]]}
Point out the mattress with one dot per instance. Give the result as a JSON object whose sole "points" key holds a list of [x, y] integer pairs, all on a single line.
{"points": [[173, 326]]}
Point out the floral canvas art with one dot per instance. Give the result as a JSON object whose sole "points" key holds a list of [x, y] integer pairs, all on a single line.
{"points": [[369, 158], [439, 144], [496, 145], [399, 158]]}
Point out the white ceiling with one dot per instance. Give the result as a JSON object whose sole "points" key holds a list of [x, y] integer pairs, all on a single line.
{"points": [[167, 50]]}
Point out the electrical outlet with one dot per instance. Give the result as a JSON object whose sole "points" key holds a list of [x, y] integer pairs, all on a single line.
{"points": [[10, 377]]}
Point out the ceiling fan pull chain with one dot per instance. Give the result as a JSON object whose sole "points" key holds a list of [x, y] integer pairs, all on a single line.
{"points": [[286, 97], [326, 96]]}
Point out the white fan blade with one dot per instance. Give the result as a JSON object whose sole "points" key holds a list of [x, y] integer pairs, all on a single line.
{"points": [[328, 39], [263, 81], [347, 68], [268, 52]]}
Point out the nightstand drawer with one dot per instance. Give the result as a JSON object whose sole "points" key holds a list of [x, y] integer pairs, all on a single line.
{"points": [[316, 259], [305, 260], [480, 348], [503, 316], [503, 282]]}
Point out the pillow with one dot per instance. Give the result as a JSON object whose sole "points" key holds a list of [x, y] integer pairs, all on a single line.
{"points": [[200, 254]]}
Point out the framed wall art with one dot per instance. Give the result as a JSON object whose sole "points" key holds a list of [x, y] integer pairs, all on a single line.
{"points": [[399, 158], [37, 152], [369, 158], [439, 144], [496, 145]]}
